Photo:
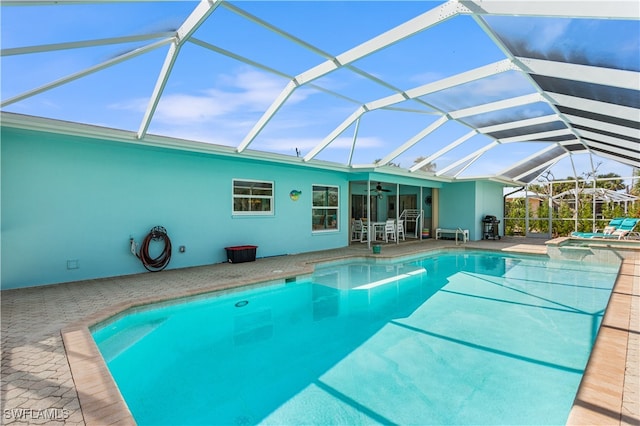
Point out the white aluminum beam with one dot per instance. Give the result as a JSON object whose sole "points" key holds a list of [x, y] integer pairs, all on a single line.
{"points": [[301, 43], [414, 140], [161, 82], [465, 77], [445, 83], [266, 68], [394, 35], [335, 133], [246, 15], [201, 12], [545, 165], [517, 62], [520, 123], [237, 57], [85, 43], [584, 73], [269, 113], [471, 157], [615, 9], [87, 71], [604, 108], [494, 106], [396, 98], [528, 159], [603, 125], [443, 151], [353, 142], [466, 166], [617, 158], [535, 137], [611, 141]]}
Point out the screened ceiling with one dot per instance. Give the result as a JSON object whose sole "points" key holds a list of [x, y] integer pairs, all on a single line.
{"points": [[506, 90]]}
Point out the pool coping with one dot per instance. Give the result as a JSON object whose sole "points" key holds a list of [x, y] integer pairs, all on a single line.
{"points": [[102, 403], [600, 396]]}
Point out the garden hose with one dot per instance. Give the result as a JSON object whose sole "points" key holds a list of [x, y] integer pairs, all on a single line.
{"points": [[155, 264]]}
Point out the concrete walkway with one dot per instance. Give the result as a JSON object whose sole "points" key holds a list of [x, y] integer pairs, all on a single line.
{"points": [[38, 386]]}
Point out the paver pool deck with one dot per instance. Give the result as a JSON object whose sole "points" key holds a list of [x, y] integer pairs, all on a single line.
{"points": [[52, 372]]}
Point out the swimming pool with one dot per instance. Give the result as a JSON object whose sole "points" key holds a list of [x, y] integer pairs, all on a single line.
{"points": [[454, 338]]}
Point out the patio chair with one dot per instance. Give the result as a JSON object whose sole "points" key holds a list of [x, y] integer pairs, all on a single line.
{"points": [[619, 228], [359, 231], [389, 229], [626, 230], [356, 229], [607, 232], [401, 229]]}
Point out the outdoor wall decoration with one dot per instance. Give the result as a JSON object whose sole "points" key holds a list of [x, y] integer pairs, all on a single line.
{"points": [[295, 194]]}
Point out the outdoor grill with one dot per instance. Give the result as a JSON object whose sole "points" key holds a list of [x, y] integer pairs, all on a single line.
{"points": [[491, 227]]}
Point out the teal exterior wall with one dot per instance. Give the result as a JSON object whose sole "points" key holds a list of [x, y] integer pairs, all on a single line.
{"points": [[489, 201], [70, 204], [465, 204], [66, 198], [457, 206]]}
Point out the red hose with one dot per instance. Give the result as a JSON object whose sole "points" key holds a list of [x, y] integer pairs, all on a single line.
{"points": [[155, 264]]}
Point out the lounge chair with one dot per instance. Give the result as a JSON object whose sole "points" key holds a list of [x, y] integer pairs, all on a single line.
{"points": [[619, 228], [626, 230], [608, 230]]}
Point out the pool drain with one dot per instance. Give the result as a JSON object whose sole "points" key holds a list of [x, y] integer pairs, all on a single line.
{"points": [[242, 303]]}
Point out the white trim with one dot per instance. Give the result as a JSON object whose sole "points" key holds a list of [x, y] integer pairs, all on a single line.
{"points": [[337, 208], [250, 197]]}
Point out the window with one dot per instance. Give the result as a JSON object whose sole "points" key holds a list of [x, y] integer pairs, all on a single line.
{"points": [[324, 214], [252, 197]]}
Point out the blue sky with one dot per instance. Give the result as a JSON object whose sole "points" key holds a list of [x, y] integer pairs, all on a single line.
{"points": [[216, 99]]}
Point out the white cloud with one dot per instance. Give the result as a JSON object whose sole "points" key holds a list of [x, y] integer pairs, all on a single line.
{"points": [[183, 109], [505, 83], [245, 92], [361, 143], [550, 33], [426, 77]]}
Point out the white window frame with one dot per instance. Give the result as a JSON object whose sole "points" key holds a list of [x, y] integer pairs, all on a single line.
{"points": [[251, 197], [327, 207]]}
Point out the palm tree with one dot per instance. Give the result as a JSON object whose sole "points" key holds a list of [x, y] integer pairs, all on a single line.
{"points": [[429, 167], [613, 185]]}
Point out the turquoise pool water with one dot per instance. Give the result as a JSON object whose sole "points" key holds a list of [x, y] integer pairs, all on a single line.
{"points": [[454, 338]]}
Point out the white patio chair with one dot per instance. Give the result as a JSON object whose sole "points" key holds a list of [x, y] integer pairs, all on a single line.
{"points": [[389, 228], [358, 231], [401, 229]]}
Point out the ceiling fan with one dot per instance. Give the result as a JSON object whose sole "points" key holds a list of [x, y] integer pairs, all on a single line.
{"points": [[380, 189]]}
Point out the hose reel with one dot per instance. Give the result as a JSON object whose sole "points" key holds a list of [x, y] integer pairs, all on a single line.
{"points": [[158, 263]]}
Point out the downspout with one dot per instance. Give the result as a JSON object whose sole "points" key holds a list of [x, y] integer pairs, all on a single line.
{"points": [[435, 209], [526, 211], [369, 214], [593, 205], [397, 211], [550, 210], [576, 207], [420, 201]]}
